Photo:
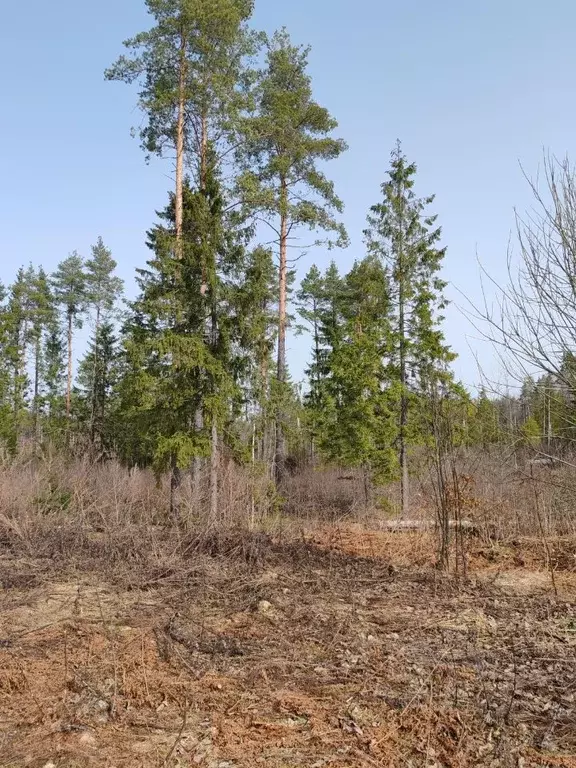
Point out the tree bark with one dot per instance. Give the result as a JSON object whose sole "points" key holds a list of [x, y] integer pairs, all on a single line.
{"points": [[403, 377], [549, 420], [176, 475], [263, 396], [180, 135], [214, 456], [175, 493], [93, 405], [37, 392], [367, 489], [19, 367], [214, 466], [198, 462], [280, 457], [404, 480], [203, 152], [253, 479], [69, 378]]}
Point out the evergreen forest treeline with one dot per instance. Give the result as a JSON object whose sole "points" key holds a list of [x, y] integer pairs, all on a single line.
{"points": [[195, 368]]}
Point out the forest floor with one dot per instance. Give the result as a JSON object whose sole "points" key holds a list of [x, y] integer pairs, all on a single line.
{"points": [[338, 646]]}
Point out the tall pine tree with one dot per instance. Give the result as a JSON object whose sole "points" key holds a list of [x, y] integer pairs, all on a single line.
{"points": [[189, 66], [286, 141], [69, 286]]}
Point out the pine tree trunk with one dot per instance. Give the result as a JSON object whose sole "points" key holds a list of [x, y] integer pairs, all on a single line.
{"points": [[175, 493], [404, 480], [19, 367], [403, 380], [316, 402], [176, 476], [180, 129], [203, 152], [367, 489], [280, 458], [69, 379], [37, 352], [93, 404], [253, 479], [265, 426], [214, 462], [16, 409], [214, 456], [197, 462]]}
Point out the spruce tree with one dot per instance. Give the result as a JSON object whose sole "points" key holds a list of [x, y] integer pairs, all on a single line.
{"points": [[310, 304], [54, 376], [404, 236], [98, 377], [17, 329], [181, 339], [285, 143], [359, 429], [257, 313], [103, 290], [43, 317], [330, 295], [103, 287], [333, 298], [485, 425], [164, 346]]}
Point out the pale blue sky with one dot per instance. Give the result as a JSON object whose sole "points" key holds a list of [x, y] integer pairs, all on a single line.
{"points": [[471, 88]]}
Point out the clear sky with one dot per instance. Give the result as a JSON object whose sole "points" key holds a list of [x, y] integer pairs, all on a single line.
{"points": [[471, 89]]}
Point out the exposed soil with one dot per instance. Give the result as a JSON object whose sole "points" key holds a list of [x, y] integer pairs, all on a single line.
{"points": [[339, 647]]}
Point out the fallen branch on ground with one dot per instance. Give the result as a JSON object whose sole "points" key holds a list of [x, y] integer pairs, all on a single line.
{"points": [[425, 525]]}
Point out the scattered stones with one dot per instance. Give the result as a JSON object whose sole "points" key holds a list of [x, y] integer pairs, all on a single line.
{"points": [[88, 739], [264, 606]]}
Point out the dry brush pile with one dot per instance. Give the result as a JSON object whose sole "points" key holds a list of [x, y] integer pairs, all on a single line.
{"points": [[323, 647], [278, 640]]}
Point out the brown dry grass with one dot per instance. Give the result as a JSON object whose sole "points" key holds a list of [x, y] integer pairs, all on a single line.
{"points": [[507, 497], [499, 491], [302, 640]]}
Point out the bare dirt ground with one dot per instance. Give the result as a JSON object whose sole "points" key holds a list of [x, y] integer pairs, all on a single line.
{"points": [[336, 647]]}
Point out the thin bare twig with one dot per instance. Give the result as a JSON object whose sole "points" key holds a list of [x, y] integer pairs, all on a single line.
{"points": [[174, 746]]}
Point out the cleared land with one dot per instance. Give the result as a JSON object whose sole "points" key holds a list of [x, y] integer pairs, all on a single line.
{"points": [[338, 646]]}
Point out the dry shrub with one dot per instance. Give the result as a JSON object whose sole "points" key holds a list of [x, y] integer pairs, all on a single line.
{"points": [[59, 508], [327, 494], [507, 496], [233, 544], [334, 494]]}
